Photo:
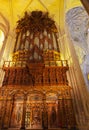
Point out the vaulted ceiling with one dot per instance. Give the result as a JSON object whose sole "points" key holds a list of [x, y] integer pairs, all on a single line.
{"points": [[13, 10]]}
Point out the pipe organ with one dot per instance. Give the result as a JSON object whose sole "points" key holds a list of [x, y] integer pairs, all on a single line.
{"points": [[35, 91]]}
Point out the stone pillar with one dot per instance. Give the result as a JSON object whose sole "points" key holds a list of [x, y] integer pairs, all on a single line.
{"points": [[79, 94], [23, 114]]}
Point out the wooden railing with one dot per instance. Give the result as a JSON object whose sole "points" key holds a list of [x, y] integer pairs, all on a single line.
{"points": [[60, 63], [14, 64]]}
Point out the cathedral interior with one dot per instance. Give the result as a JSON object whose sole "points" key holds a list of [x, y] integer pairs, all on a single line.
{"points": [[44, 65]]}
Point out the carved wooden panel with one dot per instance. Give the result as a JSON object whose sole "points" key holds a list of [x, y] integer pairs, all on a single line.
{"points": [[6, 116], [35, 74]]}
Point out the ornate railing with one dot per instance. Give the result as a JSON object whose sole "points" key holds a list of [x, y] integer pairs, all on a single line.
{"points": [[14, 64], [59, 63]]}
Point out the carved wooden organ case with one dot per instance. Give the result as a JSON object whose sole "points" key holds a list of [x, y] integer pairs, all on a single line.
{"points": [[37, 69]]}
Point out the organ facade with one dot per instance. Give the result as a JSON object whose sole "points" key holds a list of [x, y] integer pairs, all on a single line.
{"points": [[35, 93]]}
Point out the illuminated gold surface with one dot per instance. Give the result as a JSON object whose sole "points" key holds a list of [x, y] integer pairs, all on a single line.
{"points": [[14, 9], [72, 4]]}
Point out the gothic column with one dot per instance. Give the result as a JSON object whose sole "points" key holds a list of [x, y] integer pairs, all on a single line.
{"points": [[23, 114], [79, 94]]}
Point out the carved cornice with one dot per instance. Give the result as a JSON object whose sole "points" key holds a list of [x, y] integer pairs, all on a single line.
{"points": [[36, 21]]}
